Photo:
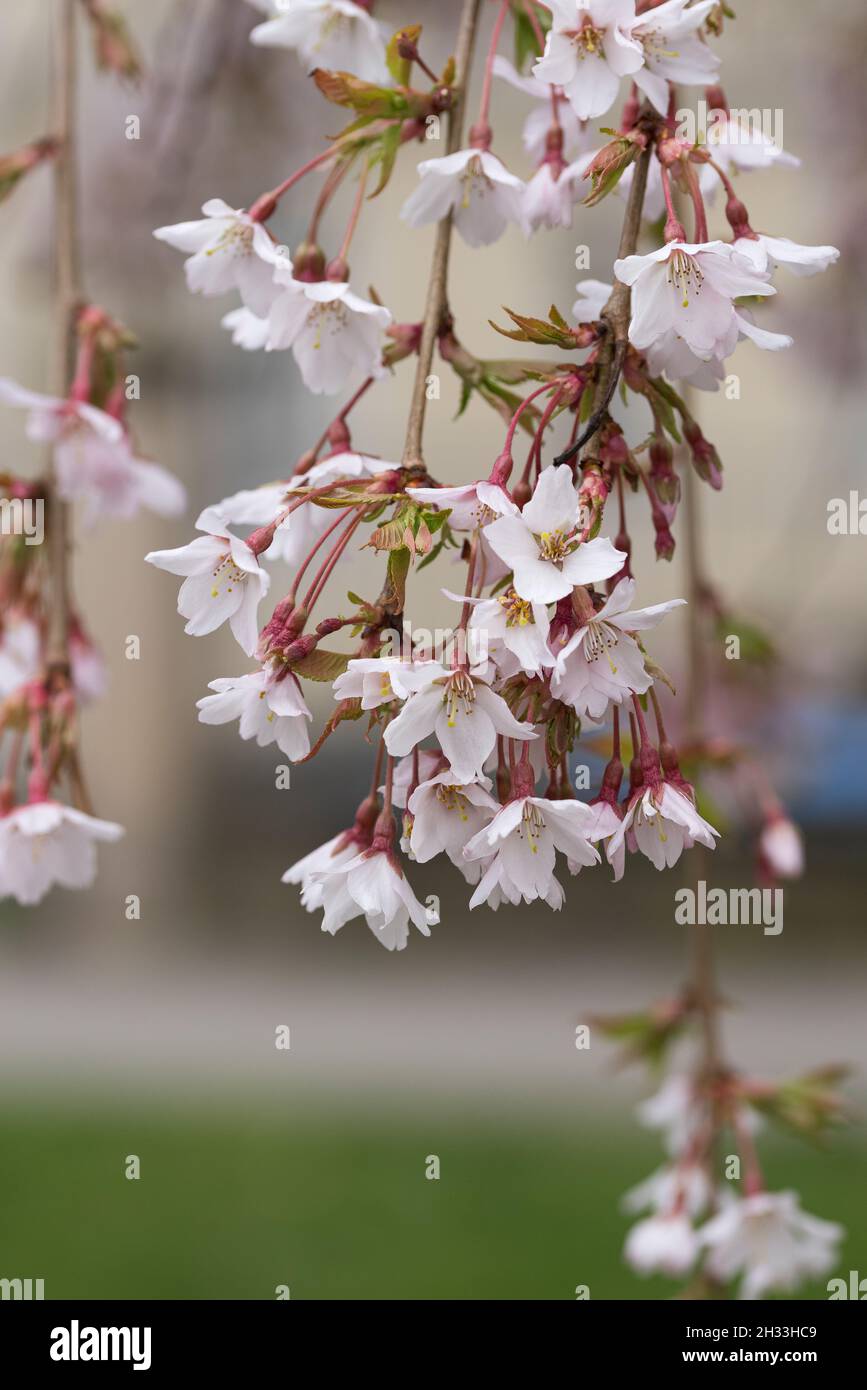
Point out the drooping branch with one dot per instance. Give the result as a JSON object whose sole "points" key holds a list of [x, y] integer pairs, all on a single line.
{"points": [[615, 315], [435, 304], [67, 298]]}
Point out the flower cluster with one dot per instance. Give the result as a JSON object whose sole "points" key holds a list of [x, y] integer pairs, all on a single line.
{"points": [[49, 666]]}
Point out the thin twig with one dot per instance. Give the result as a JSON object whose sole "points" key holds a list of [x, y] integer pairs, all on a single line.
{"points": [[436, 294], [67, 296], [615, 315]]}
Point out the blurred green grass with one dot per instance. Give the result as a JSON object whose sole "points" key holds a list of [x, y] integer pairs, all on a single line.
{"points": [[232, 1203]]}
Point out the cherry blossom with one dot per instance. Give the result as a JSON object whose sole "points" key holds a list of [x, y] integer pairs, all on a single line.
{"points": [[781, 847], [334, 34], [372, 885], [677, 1184], [466, 716], [769, 1240], [601, 661], [768, 252], [590, 46], [673, 51], [472, 184], [689, 289], [523, 838], [270, 710], [333, 333], [663, 821], [223, 582], [550, 195], [380, 680], [445, 815], [227, 251], [46, 843], [665, 1244], [511, 631], [593, 295], [20, 652], [542, 545]]}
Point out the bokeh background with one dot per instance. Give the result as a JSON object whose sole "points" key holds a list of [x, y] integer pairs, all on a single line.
{"points": [[155, 1037]]}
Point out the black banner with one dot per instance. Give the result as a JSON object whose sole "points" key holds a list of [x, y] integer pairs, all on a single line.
{"points": [[159, 1338]]}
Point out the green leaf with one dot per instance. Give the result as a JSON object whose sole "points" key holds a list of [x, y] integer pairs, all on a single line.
{"points": [[399, 67], [384, 154], [396, 572], [321, 665]]}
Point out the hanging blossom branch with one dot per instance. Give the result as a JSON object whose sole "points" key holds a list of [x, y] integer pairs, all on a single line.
{"points": [[549, 655], [49, 665]]}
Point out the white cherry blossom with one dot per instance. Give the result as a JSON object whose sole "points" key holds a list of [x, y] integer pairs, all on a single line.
{"points": [[46, 843], [673, 51], [688, 289], [768, 252], [593, 295], [333, 332], [663, 1244], [664, 822], [473, 184], [541, 545], [550, 195], [465, 715], [781, 847], [589, 47], [333, 34], [93, 457], [671, 1187], [311, 871], [674, 1111], [379, 680], [20, 652], [769, 1240], [223, 582], [371, 885], [227, 251], [248, 330], [523, 837], [269, 710], [601, 661], [445, 815], [510, 631], [607, 816]]}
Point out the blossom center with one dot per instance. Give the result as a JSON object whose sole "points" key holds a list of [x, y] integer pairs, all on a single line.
{"points": [[599, 639], [474, 182], [588, 41], [531, 827], [237, 238], [451, 798], [326, 318], [556, 545], [685, 275], [459, 697], [517, 610], [226, 576]]}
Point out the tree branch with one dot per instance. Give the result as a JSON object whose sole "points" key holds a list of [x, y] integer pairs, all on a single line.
{"points": [[435, 304], [615, 315], [67, 296]]}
